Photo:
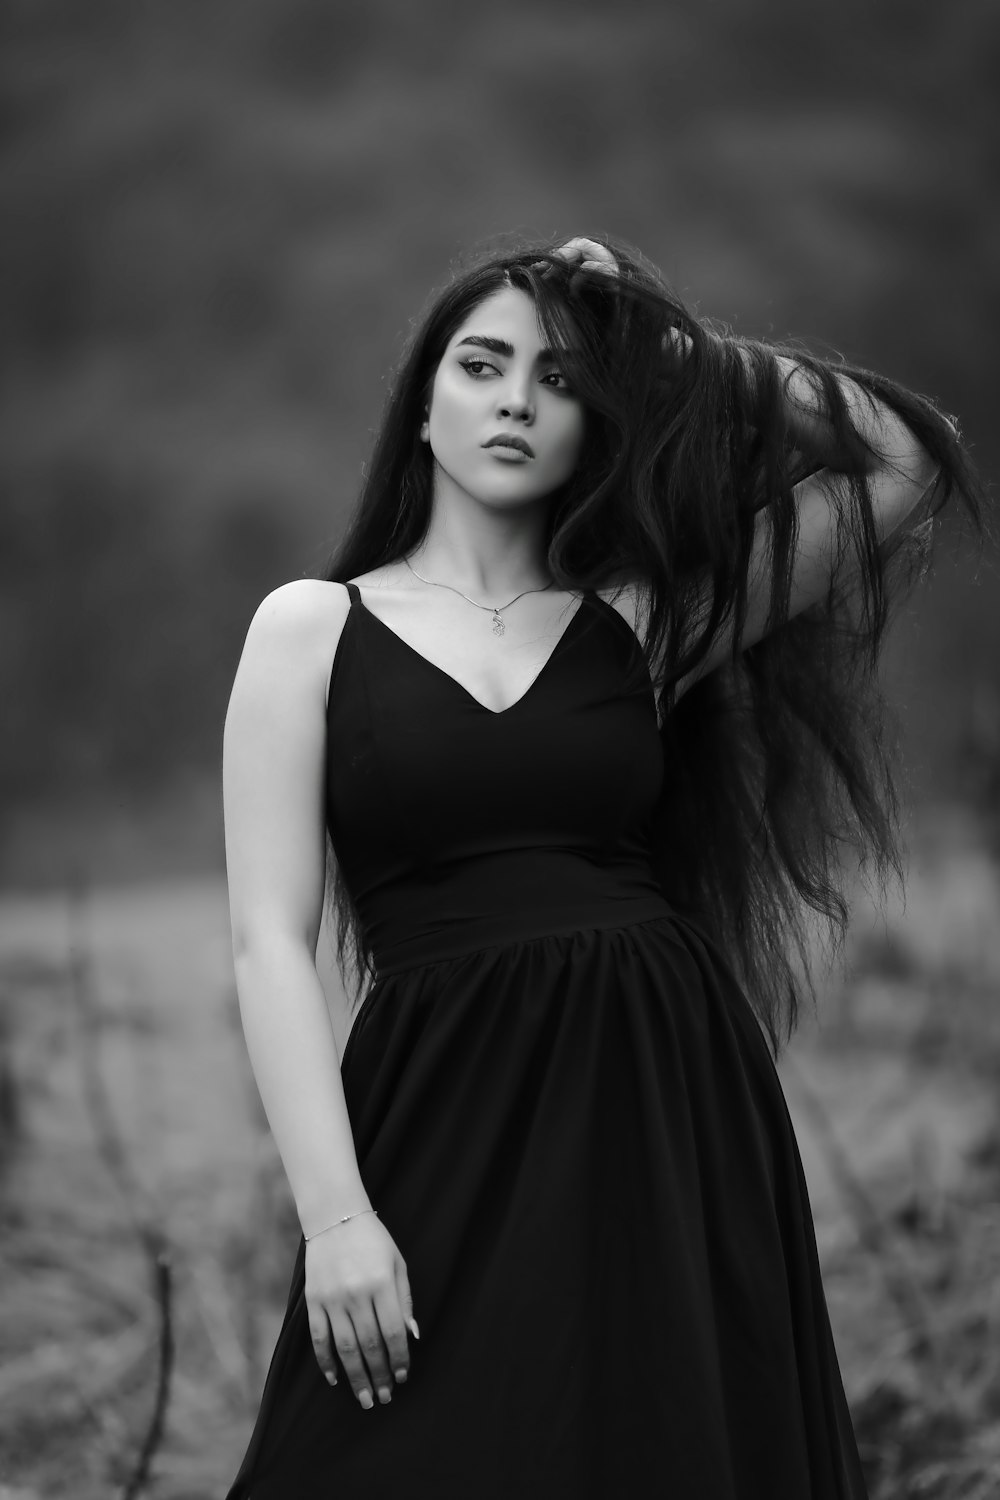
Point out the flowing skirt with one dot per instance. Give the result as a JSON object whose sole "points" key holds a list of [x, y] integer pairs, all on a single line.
{"points": [[580, 1145]]}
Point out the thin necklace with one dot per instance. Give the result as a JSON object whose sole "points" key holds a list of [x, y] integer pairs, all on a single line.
{"points": [[495, 609]]}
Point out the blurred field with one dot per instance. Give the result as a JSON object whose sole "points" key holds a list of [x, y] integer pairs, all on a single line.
{"points": [[125, 1003]]}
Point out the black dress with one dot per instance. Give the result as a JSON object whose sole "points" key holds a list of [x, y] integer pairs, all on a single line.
{"points": [[566, 1115]]}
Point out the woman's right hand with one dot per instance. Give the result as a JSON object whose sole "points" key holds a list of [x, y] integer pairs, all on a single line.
{"points": [[589, 255], [359, 1304]]}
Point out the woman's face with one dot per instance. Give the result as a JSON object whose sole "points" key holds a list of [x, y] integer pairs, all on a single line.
{"points": [[497, 381]]}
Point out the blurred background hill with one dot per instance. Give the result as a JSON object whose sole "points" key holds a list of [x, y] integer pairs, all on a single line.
{"points": [[220, 219]]}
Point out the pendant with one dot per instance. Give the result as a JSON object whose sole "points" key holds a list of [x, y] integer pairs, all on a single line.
{"points": [[498, 624]]}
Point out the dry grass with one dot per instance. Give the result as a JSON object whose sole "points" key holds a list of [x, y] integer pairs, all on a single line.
{"points": [[894, 1097]]}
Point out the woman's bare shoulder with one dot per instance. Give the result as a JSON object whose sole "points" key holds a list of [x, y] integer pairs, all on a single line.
{"points": [[295, 611], [296, 628], [293, 606]]}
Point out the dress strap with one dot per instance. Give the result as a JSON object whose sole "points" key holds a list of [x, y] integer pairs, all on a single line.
{"points": [[354, 594]]}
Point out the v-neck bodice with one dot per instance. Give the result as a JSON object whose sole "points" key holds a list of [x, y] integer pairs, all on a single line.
{"points": [[357, 602], [456, 824]]}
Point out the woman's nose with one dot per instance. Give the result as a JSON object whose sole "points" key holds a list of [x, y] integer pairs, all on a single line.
{"points": [[517, 405]]}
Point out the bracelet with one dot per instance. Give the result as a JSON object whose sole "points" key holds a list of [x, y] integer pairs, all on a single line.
{"points": [[356, 1215]]}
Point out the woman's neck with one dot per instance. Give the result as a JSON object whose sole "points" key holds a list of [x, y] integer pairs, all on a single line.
{"points": [[486, 552]]}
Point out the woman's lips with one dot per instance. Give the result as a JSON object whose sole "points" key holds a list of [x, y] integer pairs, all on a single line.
{"points": [[509, 455], [508, 443], [508, 446]]}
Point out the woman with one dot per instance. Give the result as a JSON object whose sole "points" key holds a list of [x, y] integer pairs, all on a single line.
{"points": [[586, 704]]}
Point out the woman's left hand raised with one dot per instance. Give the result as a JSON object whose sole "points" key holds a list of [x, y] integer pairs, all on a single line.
{"points": [[588, 255]]}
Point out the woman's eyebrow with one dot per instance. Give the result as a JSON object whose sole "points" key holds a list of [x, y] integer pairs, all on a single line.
{"points": [[497, 346]]}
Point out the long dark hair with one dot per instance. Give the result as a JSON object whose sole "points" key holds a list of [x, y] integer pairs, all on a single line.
{"points": [[780, 762]]}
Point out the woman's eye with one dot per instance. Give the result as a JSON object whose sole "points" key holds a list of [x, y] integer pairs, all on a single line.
{"points": [[475, 367], [559, 381]]}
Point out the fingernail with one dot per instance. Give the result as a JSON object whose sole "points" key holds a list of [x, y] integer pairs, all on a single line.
{"points": [[365, 1397], [411, 1324], [332, 1379], [400, 1376], [384, 1395]]}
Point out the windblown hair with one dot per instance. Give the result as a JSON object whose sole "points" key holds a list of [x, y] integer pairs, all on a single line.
{"points": [[780, 763]]}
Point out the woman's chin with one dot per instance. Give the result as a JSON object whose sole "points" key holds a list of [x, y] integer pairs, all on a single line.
{"points": [[508, 489]]}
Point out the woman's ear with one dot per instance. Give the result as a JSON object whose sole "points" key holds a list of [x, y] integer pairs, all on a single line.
{"points": [[425, 426]]}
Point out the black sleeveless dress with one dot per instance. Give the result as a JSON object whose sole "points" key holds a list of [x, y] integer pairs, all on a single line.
{"points": [[566, 1115]]}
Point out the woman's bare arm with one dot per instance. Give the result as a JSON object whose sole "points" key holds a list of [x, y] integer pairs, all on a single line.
{"points": [[273, 766], [274, 759], [899, 475]]}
